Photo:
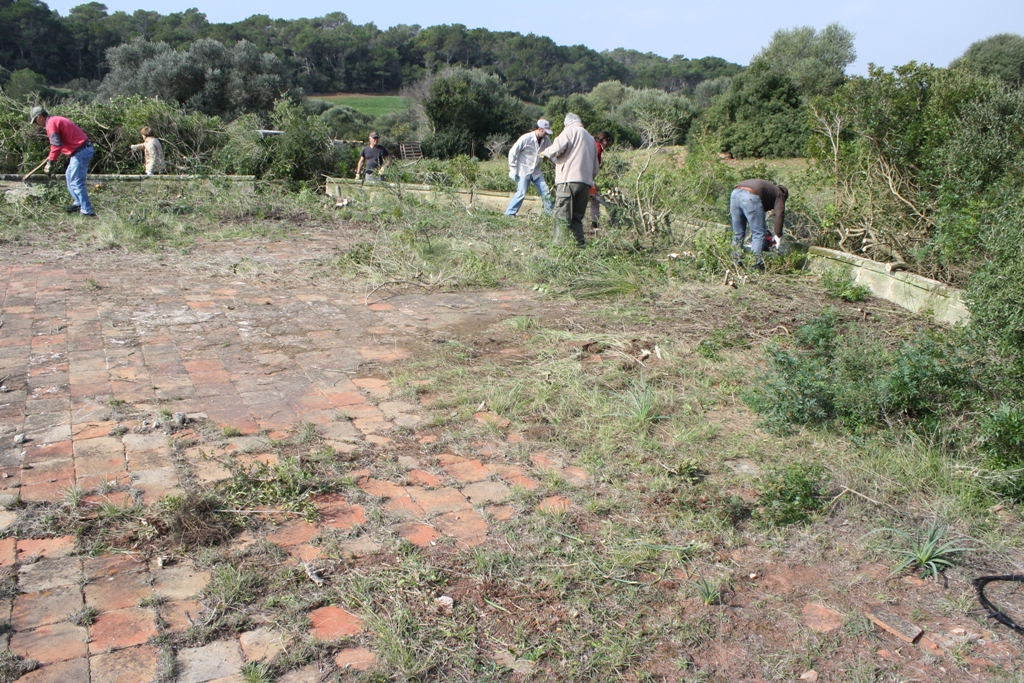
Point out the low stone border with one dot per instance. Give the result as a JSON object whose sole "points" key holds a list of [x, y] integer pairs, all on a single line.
{"points": [[907, 290], [341, 188]]}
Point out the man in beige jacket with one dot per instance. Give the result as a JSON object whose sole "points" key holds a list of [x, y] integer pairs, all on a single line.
{"points": [[575, 155]]}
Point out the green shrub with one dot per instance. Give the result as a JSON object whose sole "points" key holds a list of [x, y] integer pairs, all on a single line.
{"points": [[790, 494], [838, 285], [827, 374], [1002, 442]]}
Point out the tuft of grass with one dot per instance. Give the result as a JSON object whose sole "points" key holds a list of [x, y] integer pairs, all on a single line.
{"points": [[84, 617], [257, 672], [229, 432], [641, 406], [926, 550], [709, 591]]}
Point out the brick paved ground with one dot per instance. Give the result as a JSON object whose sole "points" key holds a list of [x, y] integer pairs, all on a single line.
{"points": [[252, 338]]}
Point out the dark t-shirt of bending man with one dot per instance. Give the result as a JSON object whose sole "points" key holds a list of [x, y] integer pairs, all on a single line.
{"points": [[773, 198], [748, 203]]}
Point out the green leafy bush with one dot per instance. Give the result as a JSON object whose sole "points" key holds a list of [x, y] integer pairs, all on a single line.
{"points": [[790, 494], [838, 285]]}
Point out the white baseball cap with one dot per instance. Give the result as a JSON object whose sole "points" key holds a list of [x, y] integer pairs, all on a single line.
{"points": [[545, 126]]}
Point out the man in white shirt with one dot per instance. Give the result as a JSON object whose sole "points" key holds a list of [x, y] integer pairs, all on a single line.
{"points": [[524, 167]]}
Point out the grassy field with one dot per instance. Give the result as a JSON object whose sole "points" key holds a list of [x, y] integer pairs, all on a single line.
{"points": [[373, 105]]}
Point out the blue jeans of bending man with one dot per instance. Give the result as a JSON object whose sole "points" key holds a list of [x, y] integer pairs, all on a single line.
{"points": [[78, 168], [522, 185], [746, 209]]}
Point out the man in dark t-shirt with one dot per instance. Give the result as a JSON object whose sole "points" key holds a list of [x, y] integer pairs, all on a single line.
{"points": [[375, 157], [749, 202]]}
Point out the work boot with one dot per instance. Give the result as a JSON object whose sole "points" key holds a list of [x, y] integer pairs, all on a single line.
{"points": [[88, 215], [759, 266], [74, 208]]}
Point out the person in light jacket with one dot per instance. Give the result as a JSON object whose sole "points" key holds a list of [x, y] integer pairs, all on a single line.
{"points": [[524, 167], [153, 150], [574, 152]]}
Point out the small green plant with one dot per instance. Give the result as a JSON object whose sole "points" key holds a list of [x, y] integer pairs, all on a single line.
{"points": [[720, 339], [641, 406], [84, 617], [838, 285], [256, 672], [521, 323], [229, 432], [91, 284], [709, 592], [790, 494], [927, 551]]}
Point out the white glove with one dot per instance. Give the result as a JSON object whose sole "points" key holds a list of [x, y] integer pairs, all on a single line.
{"points": [[512, 175], [46, 169]]}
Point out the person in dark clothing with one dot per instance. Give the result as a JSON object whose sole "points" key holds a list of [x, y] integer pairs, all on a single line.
{"points": [[375, 156], [749, 202]]}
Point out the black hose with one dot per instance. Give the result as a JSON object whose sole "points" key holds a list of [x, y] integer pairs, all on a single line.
{"points": [[993, 611]]}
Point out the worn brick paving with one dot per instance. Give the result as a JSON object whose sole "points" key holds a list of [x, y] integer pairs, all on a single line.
{"points": [[257, 355]]}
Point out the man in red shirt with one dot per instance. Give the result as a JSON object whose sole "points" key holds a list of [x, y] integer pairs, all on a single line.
{"points": [[68, 139]]}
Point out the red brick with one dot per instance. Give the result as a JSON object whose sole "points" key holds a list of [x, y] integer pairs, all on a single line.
{"points": [[345, 398], [384, 489], [72, 671], [500, 513], [337, 513], [48, 644], [403, 507], [820, 618], [42, 452], [121, 628], [554, 504], [466, 526], [330, 623], [45, 607], [51, 471], [439, 501], [355, 658], [467, 472], [132, 665], [179, 615], [61, 546], [296, 532], [422, 535], [423, 478], [370, 383], [117, 592], [492, 419], [8, 552]]}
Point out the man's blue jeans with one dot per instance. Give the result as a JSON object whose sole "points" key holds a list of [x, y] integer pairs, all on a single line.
{"points": [[522, 185], [78, 168], [746, 209]]}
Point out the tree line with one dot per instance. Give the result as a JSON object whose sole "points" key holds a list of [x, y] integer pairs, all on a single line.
{"points": [[331, 53]]}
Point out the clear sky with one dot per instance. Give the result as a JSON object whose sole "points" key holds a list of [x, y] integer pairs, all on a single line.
{"points": [[888, 32]]}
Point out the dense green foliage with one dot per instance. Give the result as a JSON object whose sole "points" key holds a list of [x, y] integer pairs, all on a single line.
{"points": [[193, 142], [330, 53], [1001, 56], [946, 386], [763, 112], [467, 106]]}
